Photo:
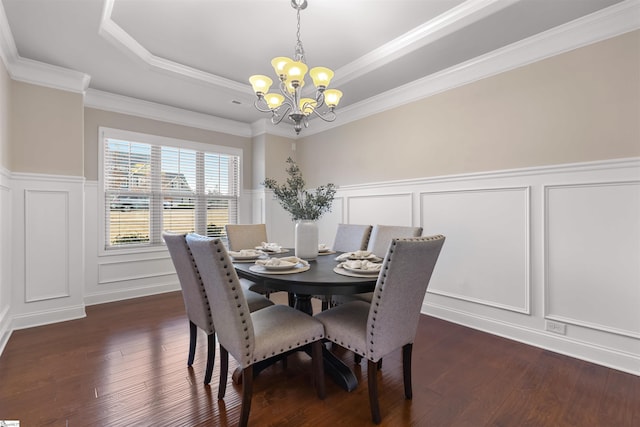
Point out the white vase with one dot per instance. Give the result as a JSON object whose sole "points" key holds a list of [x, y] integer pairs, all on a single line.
{"points": [[306, 245]]}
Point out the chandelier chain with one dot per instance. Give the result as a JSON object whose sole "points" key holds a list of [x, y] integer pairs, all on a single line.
{"points": [[299, 50]]}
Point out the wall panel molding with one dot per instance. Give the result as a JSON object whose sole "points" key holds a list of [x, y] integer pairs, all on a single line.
{"points": [[381, 208], [592, 275], [46, 245], [487, 258]]}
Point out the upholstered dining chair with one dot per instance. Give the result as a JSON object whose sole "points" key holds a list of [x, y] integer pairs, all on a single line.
{"points": [[250, 337], [349, 237], [195, 298], [390, 321], [245, 236], [381, 236]]}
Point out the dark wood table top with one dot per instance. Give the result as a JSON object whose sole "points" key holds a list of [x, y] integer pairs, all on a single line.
{"points": [[320, 279]]}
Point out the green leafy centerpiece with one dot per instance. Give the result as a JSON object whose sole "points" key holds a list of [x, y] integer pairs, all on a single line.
{"points": [[304, 206]]}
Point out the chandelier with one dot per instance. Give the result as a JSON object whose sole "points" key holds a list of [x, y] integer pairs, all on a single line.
{"points": [[289, 102]]}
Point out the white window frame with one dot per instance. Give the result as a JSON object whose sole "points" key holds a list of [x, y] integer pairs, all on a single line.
{"points": [[111, 133]]}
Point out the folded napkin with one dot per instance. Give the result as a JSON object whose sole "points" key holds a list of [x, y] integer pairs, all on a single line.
{"points": [[284, 261], [354, 254], [363, 265], [270, 247], [245, 253]]}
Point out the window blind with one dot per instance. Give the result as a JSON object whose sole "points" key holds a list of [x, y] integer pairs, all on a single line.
{"points": [[150, 188]]}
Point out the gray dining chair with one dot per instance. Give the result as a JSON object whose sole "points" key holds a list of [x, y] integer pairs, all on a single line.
{"points": [[391, 320], [251, 337], [349, 237], [247, 236], [195, 298], [381, 236]]}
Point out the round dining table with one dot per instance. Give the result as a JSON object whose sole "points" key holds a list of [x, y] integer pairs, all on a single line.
{"points": [[319, 279]]}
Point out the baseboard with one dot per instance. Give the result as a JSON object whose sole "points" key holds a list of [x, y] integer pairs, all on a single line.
{"points": [[46, 317], [124, 294], [625, 362]]}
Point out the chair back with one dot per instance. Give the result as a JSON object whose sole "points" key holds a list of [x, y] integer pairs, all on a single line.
{"points": [[351, 237], [399, 293], [381, 236], [193, 292], [229, 308], [246, 236]]}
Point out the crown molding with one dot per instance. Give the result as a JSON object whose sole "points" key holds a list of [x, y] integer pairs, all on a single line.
{"points": [[36, 72], [118, 37], [607, 23], [452, 20], [154, 111]]}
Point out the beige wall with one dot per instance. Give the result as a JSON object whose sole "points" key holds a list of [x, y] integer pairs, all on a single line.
{"points": [[580, 106], [95, 118], [5, 86], [46, 130]]}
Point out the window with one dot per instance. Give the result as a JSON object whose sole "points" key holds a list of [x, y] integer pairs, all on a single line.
{"points": [[150, 184]]}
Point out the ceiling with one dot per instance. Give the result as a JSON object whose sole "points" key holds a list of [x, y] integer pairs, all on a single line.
{"points": [[197, 55]]}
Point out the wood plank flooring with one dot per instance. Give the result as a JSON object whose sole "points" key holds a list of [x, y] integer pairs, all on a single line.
{"points": [[125, 365]]}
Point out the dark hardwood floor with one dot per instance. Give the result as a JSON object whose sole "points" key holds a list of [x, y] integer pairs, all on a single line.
{"points": [[125, 365]]}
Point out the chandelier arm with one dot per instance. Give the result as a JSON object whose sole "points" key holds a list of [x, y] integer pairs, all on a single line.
{"points": [[259, 107], [319, 98], [280, 113], [327, 116]]}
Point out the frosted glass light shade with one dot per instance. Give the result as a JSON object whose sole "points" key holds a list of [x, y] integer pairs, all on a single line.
{"points": [[279, 64], [295, 71], [321, 76], [307, 105], [260, 84], [332, 97], [274, 100]]}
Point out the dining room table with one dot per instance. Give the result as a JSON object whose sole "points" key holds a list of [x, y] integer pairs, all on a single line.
{"points": [[320, 277]]}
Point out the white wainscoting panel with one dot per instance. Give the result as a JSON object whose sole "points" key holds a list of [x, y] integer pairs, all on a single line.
{"points": [[593, 255], [134, 268], [5, 257], [528, 246], [46, 245], [48, 249], [387, 209], [486, 254]]}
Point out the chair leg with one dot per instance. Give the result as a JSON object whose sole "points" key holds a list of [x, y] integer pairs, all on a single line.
{"points": [[372, 377], [247, 391], [224, 370], [318, 368], [406, 370], [211, 357], [193, 337], [325, 305]]}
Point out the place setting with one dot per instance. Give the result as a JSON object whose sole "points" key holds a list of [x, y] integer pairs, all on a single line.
{"points": [[284, 265], [358, 264], [271, 248], [247, 255], [358, 255], [323, 249], [358, 268]]}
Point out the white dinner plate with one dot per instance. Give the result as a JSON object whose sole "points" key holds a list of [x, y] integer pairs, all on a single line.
{"points": [[280, 267], [359, 271], [246, 257]]}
